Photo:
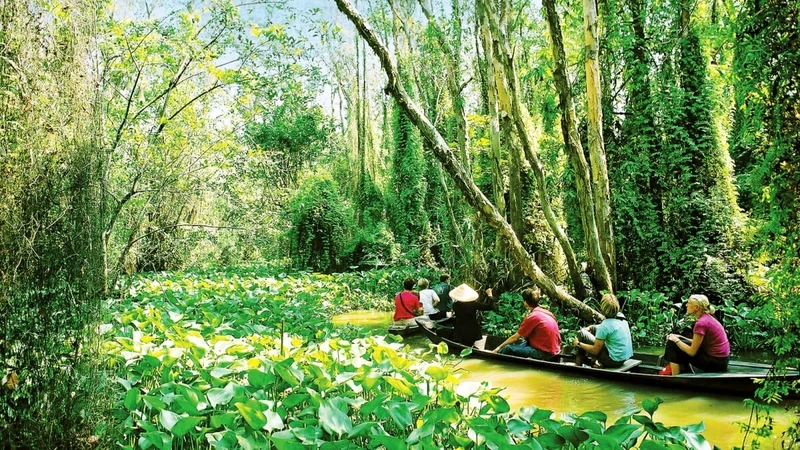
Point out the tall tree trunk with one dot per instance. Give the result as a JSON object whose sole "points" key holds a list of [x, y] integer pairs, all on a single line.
{"points": [[597, 151], [453, 167], [498, 179], [521, 119], [572, 141]]}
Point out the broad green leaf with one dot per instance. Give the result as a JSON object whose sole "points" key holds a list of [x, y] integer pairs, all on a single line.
{"points": [[400, 385], [259, 379], [573, 435], [286, 375], [652, 445], [400, 413], [285, 440], [168, 419], [438, 373], [153, 402], [157, 439], [224, 420], [651, 405], [598, 416], [223, 440], [333, 419], [361, 429], [390, 442], [622, 432], [219, 396], [253, 416], [274, 421], [185, 425], [131, 399], [518, 426], [551, 440]]}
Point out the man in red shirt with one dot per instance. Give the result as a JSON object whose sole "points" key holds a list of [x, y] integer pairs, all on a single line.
{"points": [[542, 339], [406, 305]]}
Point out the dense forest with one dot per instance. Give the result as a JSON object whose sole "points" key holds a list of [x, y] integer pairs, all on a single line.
{"points": [[650, 149]]}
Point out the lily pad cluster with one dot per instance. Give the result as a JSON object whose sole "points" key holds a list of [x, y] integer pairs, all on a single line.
{"points": [[251, 361]]}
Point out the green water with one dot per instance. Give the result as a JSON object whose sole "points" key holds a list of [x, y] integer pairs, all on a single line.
{"points": [[524, 387]]}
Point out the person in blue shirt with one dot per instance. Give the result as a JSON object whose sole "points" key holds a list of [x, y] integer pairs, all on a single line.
{"points": [[610, 341]]}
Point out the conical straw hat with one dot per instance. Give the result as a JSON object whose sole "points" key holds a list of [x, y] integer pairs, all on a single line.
{"points": [[463, 293]]}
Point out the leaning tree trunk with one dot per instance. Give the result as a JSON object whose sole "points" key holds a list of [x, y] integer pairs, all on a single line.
{"points": [[451, 164], [572, 141], [597, 151]]}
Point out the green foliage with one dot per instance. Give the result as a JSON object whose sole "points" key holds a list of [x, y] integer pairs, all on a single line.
{"points": [[203, 359], [407, 185], [50, 226], [320, 225]]}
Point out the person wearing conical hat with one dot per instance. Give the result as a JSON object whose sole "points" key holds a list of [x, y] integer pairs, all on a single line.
{"points": [[541, 338], [467, 328]]}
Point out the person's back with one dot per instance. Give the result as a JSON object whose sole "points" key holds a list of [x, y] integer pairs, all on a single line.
{"points": [[442, 289], [406, 305], [467, 328], [616, 335]]}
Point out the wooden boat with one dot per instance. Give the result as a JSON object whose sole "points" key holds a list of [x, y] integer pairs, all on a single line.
{"points": [[416, 329], [741, 379]]}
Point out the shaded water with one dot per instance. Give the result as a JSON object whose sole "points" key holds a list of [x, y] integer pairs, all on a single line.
{"points": [[524, 387]]}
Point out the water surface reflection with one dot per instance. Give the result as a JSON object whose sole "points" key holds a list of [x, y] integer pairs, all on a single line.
{"points": [[524, 387]]}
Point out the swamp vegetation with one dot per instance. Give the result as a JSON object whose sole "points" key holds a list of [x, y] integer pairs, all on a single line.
{"points": [[190, 189]]}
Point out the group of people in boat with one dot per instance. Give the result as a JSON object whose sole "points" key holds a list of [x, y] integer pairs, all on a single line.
{"points": [[607, 344]]}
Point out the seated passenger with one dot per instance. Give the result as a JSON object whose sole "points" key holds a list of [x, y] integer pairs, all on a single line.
{"points": [[611, 342], [429, 299], [709, 348], [467, 328], [541, 338], [442, 289], [406, 305]]}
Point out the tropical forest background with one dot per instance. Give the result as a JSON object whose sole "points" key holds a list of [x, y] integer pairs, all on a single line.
{"points": [[182, 180]]}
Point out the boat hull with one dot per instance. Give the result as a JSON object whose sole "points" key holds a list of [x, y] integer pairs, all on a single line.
{"points": [[739, 380]]}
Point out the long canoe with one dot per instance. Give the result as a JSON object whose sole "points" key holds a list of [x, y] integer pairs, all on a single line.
{"points": [[404, 331], [741, 379]]}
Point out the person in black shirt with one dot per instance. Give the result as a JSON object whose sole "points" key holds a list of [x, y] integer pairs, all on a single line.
{"points": [[465, 307]]}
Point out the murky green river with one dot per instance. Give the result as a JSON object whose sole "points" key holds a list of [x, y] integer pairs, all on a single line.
{"points": [[525, 387]]}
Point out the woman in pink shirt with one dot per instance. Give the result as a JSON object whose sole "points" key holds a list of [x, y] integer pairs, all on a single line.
{"points": [[709, 348]]}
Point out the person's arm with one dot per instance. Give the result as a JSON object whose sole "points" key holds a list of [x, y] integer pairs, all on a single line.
{"points": [[593, 349], [510, 340], [689, 349], [435, 298]]}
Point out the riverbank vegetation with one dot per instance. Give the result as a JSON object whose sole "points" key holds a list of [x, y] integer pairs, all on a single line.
{"points": [[644, 148]]}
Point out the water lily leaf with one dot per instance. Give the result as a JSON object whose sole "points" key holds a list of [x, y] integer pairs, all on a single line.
{"points": [[153, 402], [427, 429], [223, 440], [589, 425], [259, 379], [573, 435], [466, 352], [361, 429], [285, 440], [400, 385], [551, 440], [293, 400], [518, 426], [252, 415], [597, 416], [652, 445], [157, 439], [604, 442], [274, 421], [252, 441], [333, 419], [438, 373], [168, 419], [227, 419], [185, 425], [307, 434], [390, 442], [369, 407], [651, 405], [219, 396], [623, 432], [131, 399], [286, 375], [694, 439], [498, 403], [400, 413]]}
